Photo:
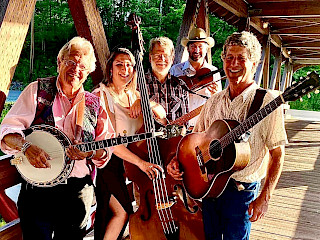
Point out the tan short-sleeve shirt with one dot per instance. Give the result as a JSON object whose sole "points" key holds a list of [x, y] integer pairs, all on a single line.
{"points": [[266, 135]]}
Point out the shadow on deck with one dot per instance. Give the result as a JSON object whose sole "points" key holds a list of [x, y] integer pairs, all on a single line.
{"points": [[294, 210]]}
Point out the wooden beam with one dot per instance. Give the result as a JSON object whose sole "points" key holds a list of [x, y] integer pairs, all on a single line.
{"points": [[298, 30], [187, 21], [312, 61], [203, 22], [13, 31], [237, 7], [89, 25], [286, 9], [240, 9]]}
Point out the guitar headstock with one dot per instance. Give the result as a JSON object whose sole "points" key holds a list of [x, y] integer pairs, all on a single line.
{"points": [[137, 40], [301, 88]]}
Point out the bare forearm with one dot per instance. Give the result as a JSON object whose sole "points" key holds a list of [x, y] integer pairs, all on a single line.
{"points": [[14, 141], [122, 152], [273, 173]]}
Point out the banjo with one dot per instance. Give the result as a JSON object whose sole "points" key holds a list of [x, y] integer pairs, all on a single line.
{"points": [[55, 143]]}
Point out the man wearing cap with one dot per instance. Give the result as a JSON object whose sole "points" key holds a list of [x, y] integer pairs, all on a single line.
{"points": [[197, 44]]}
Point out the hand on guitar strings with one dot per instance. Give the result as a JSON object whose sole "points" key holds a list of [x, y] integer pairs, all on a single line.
{"points": [[174, 170], [152, 170], [37, 157]]}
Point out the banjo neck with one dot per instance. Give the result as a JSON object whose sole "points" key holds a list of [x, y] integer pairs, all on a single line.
{"points": [[96, 145]]}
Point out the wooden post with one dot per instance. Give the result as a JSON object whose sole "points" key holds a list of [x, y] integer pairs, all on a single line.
{"points": [[15, 16], [276, 70], [266, 66], [284, 76], [204, 23], [289, 75], [89, 25], [187, 21], [260, 68]]}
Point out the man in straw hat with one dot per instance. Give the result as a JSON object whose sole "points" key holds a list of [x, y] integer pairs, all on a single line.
{"points": [[197, 44]]}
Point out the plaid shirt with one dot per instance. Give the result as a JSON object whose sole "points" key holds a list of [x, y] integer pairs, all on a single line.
{"points": [[170, 95]]}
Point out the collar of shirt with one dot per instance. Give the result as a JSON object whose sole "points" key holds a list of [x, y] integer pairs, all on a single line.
{"points": [[244, 95], [152, 78], [78, 97], [190, 69]]}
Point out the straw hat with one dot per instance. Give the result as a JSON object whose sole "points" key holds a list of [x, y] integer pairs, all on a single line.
{"points": [[197, 35]]}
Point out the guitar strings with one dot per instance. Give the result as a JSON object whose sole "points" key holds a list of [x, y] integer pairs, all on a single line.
{"points": [[159, 185], [244, 126], [154, 156]]}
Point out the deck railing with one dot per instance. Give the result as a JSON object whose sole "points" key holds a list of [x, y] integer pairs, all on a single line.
{"points": [[9, 177]]}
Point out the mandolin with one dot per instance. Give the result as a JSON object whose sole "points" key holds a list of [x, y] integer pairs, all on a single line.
{"points": [[208, 159]]}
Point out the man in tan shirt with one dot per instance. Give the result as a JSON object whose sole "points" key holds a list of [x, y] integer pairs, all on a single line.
{"points": [[229, 216]]}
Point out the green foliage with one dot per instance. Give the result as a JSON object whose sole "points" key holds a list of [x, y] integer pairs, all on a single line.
{"points": [[311, 103], [53, 27], [2, 222], [6, 109], [220, 30]]}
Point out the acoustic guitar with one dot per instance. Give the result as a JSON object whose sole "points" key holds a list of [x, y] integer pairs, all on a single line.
{"points": [[208, 159]]}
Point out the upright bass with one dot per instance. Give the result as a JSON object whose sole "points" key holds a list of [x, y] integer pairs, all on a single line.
{"points": [[165, 211]]}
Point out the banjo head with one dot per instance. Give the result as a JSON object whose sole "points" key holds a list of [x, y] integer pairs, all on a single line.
{"points": [[53, 142]]}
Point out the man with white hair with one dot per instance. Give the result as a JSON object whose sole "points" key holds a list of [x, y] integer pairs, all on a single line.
{"points": [[60, 211]]}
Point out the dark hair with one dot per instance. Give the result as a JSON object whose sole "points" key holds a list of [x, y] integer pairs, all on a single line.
{"points": [[108, 80]]}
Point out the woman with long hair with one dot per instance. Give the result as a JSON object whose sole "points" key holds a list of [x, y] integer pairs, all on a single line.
{"points": [[122, 102]]}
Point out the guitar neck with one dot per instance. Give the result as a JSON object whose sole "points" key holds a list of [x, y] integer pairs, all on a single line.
{"points": [[185, 118], [90, 146], [247, 124]]}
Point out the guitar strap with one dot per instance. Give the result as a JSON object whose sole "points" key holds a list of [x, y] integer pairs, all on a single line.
{"points": [[79, 119], [257, 101]]}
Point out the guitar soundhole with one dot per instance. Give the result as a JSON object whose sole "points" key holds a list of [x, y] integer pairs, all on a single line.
{"points": [[215, 149]]}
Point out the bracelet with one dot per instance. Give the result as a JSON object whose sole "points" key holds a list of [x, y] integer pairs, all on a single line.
{"points": [[92, 155], [25, 146]]}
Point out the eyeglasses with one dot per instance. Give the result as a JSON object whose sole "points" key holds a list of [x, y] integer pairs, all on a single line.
{"points": [[161, 56], [71, 63]]}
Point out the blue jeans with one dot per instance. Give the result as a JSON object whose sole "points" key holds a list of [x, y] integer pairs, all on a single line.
{"points": [[226, 217]]}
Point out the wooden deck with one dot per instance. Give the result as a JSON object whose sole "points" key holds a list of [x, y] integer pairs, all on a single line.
{"points": [[294, 211]]}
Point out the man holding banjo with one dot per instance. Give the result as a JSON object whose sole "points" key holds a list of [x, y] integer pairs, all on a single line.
{"points": [[61, 103]]}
